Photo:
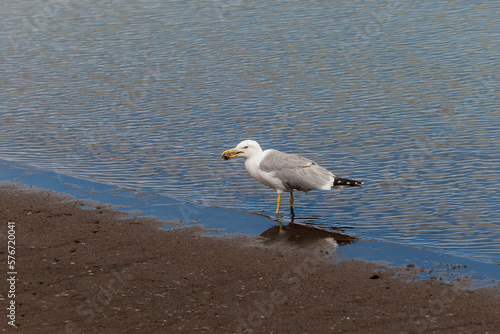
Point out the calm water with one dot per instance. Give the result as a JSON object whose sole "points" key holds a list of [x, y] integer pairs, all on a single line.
{"points": [[147, 94]]}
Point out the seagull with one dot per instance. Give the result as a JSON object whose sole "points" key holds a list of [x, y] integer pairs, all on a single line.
{"points": [[285, 172]]}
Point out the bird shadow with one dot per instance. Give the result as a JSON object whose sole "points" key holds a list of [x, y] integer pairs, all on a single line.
{"points": [[307, 237]]}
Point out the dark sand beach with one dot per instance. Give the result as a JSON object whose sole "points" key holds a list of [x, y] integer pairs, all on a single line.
{"points": [[90, 270]]}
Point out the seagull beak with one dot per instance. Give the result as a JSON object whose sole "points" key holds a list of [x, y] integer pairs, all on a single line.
{"points": [[231, 153]]}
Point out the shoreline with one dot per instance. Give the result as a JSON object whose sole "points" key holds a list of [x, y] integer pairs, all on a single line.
{"points": [[438, 264], [88, 269]]}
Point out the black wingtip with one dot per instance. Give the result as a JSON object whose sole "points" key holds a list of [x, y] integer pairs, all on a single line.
{"points": [[339, 181]]}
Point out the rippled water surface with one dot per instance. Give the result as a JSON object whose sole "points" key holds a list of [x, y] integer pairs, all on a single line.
{"points": [[147, 94]]}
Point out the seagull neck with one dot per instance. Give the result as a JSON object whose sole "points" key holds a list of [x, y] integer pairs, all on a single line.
{"points": [[252, 166], [252, 162]]}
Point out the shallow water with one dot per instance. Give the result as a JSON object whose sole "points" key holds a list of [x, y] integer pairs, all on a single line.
{"points": [[146, 95]]}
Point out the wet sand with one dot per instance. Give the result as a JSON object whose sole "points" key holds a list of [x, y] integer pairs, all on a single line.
{"points": [[92, 271]]}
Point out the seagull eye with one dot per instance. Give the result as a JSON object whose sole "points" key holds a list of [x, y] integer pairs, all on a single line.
{"points": [[245, 147]]}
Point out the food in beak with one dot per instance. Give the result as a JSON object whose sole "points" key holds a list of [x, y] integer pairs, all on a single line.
{"points": [[226, 155]]}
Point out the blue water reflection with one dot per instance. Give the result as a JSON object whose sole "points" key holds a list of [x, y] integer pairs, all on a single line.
{"points": [[146, 95]]}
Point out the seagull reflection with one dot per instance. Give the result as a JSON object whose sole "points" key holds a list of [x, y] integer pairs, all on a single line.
{"points": [[307, 237]]}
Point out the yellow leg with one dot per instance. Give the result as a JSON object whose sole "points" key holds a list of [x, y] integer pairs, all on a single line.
{"points": [[277, 210], [278, 204], [291, 203]]}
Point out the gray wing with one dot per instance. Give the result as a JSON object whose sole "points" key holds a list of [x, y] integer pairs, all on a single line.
{"points": [[295, 171]]}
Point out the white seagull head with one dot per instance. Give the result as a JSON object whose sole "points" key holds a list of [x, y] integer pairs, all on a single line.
{"points": [[245, 149]]}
